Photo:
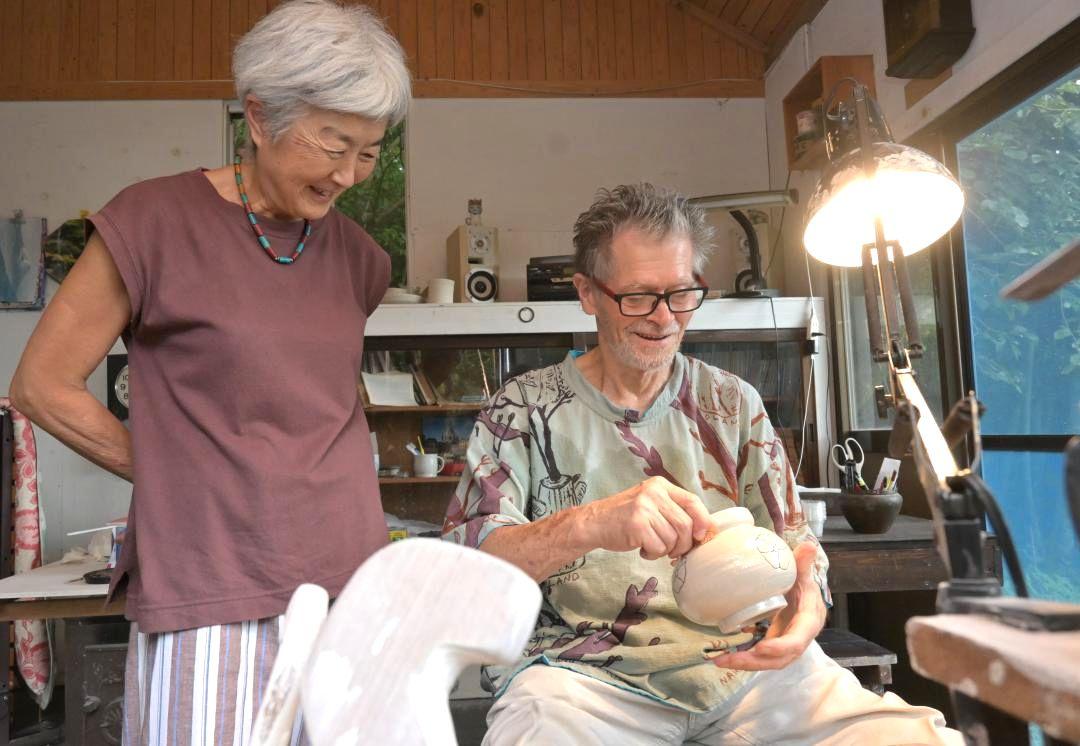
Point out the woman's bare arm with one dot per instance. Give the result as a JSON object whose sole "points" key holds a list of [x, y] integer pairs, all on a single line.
{"points": [[75, 332]]}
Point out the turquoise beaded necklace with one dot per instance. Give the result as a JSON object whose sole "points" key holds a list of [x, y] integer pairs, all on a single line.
{"points": [[262, 239]]}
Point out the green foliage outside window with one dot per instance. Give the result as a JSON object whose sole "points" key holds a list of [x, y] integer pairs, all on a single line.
{"points": [[1021, 176]]}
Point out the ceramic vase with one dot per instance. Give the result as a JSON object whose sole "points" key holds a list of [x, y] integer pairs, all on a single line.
{"points": [[736, 578]]}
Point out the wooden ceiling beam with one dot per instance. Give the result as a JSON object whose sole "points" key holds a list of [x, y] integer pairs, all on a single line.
{"points": [[717, 24], [799, 14]]}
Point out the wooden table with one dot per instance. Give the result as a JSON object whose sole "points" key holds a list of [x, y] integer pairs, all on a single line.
{"points": [[56, 591], [902, 559], [1034, 676]]}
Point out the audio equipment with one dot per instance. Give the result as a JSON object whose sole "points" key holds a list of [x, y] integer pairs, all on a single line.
{"points": [[469, 248], [551, 278], [481, 285]]}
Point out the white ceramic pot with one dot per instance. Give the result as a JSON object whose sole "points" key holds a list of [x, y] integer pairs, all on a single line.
{"points": [[736, 578]]}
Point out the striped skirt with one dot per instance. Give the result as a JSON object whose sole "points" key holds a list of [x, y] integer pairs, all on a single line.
{"points": [[198, 687]]}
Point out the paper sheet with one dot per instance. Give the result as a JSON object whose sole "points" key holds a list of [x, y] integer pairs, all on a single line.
{"points": [[390, 389]]}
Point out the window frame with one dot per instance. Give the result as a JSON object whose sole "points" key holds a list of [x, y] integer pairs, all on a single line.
{"points": [[1051, 60]]}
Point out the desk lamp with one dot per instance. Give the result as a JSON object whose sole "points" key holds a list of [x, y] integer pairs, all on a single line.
{"points": [[877, 203]]}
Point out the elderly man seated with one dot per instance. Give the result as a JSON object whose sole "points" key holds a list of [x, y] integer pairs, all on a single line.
{"points": [[593, 474]]}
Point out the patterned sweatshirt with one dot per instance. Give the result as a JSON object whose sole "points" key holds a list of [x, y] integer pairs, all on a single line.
{"points": [[549, 440]]}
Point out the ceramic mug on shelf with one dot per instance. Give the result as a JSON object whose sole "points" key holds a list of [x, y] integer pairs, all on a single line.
{"points": [[427, 464], [814, 512], [736, 578], [807, 123], [440, 290]]}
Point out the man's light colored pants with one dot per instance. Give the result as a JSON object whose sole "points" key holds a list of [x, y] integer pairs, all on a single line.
{"points": [[812, 701]]}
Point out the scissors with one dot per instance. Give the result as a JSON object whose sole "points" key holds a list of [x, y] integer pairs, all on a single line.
{"points": [[850, 467]]}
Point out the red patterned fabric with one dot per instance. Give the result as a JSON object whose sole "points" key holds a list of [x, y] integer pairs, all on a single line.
{"points": [[32, 645]]}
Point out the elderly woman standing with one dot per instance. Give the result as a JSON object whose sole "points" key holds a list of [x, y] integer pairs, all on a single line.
{"points": [[242, 296]]}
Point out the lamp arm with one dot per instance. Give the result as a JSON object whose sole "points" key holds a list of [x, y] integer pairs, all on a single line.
{"points": [[873, 307], [934, 462], [907, 303], [957, 499]]}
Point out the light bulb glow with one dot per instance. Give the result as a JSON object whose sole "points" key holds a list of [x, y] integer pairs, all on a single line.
{"points": [[917, 198]]}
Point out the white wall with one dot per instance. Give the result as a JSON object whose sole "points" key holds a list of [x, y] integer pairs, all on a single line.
{"points": [[1005, 30], [60, 158], [536, 164]]}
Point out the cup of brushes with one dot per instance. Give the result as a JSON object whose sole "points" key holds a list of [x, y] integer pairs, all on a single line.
{"points": [[873, 511]]}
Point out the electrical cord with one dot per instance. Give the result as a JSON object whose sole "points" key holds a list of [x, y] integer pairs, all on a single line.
{"points": [[779, 230], [779, 360], [1001, 529], [810, 378]]}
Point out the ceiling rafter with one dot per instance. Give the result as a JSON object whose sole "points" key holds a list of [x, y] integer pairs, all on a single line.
{"points": [[797, 15], [716, 23]]}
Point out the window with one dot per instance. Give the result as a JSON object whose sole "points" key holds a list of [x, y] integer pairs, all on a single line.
{"points": [[856, 368], [377, 203], [1021, 175]]}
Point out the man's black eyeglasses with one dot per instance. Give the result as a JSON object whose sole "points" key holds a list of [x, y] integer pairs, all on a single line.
{"points": [[682, 300]]}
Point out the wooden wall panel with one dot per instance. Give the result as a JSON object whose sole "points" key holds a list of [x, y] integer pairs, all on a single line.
{"points": [[695, 49], [165, 40], [427, 47], [124, 53], [500, 41], [101, 49], [676, 32], [183, 41], [444, 37], [605, 39], [481, 44], [9, 42], [517, 39]]}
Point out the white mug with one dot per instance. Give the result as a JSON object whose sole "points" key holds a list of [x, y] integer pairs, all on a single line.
{"points": [[440, 290], [814, 512], [427, 464]]}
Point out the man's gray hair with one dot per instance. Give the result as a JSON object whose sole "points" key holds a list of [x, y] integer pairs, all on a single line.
{"points": [[322, 54], [658, 212]]}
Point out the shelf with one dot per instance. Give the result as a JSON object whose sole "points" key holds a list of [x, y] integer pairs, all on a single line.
{"points": [[419, 480], [443, 408], [813, 159], [811, 90]]}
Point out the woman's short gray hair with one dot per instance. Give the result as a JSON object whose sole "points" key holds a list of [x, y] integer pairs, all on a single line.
{"points": [[322, 54], [658, 212]]}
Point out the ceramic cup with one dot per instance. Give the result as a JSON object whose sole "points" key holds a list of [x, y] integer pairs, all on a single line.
{"points": [[806, 122], [427, 464], [440, 290], [736, 578], [814, 512]]}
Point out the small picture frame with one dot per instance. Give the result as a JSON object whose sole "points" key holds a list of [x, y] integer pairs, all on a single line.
{"points": [[447, 435], [22, 262]]}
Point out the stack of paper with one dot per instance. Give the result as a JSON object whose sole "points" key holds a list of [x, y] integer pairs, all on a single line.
{"points": [[390, 389]]}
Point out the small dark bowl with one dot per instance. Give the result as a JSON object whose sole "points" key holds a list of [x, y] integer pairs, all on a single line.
{"points": [[868, 513]]}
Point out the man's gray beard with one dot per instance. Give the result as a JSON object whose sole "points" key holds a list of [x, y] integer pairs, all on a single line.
{"points": [[626, 354]]}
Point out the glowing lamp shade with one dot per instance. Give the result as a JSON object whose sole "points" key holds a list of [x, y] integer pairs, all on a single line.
{"points": [[917, 198]]}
